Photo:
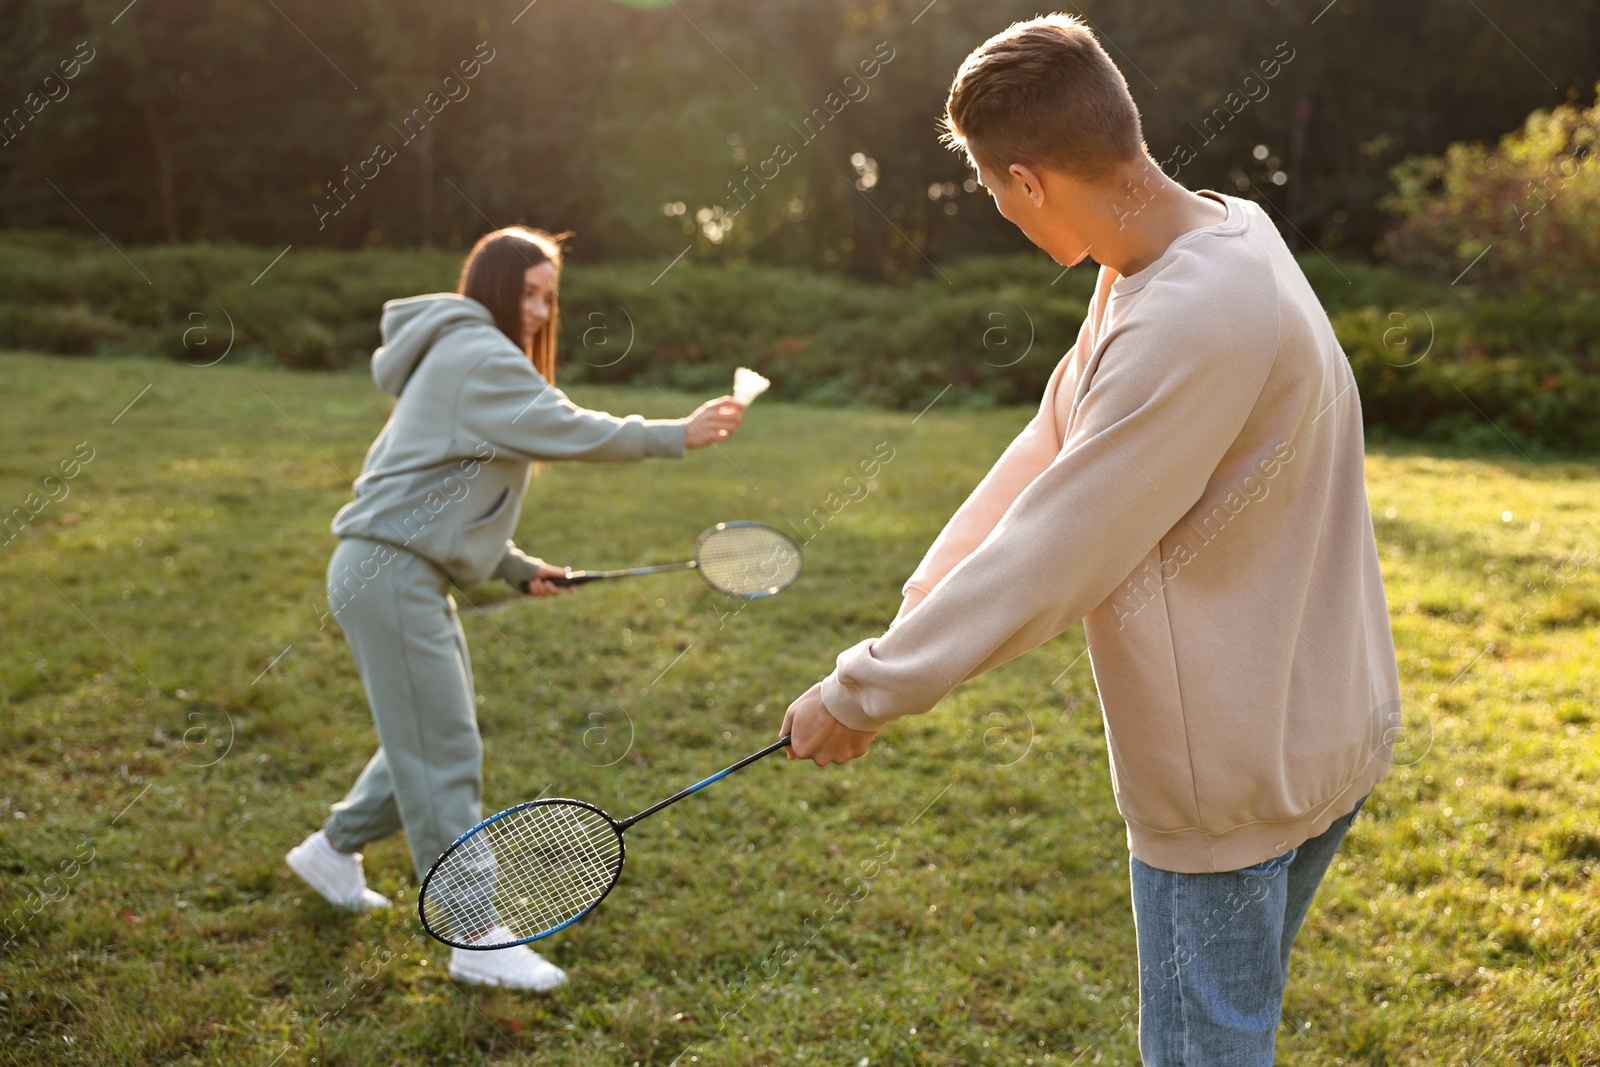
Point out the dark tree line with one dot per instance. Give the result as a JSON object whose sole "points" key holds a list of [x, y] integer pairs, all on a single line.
{"points": [[787, 131]]}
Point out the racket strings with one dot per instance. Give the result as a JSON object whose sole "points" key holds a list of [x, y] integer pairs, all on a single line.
{"points": [[529, 872], [748, 560]]}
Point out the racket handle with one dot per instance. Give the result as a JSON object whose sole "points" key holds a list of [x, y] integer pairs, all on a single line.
{"points": [[575, 578], [579, 577]]}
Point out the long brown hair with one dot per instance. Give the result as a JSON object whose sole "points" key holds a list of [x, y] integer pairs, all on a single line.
{"points": [[493, 276]]}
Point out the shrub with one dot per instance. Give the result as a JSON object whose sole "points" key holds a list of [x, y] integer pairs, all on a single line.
{"points": [[1533, 202], [1430, 361], [1546, 400], [71, 330], [993, 331]]}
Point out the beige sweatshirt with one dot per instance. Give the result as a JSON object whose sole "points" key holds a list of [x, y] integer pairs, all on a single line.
{"points": [[1192, 489]]}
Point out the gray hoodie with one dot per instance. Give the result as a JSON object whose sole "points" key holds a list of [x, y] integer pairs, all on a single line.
{"points": [[446, 477]]}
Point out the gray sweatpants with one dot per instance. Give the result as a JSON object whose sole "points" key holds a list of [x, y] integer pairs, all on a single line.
{"points": [[427, 775]]}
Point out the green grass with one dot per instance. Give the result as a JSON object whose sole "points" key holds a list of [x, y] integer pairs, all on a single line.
{"points": [[156, 770]]}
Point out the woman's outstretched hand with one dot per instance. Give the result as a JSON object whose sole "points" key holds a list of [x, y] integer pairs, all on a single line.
{"points": [[712, 422], [537, 586]]}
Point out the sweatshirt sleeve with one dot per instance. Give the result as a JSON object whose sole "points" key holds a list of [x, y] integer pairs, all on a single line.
{"points": [[505, 402], [1023, 460], [516, 567], [1165, 403]]}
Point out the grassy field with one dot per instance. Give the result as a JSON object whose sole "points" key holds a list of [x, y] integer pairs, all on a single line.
{"points": [[178, 711]]}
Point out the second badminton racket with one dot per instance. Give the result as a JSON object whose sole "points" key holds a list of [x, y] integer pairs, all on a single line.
{"points": [[749, 560]]}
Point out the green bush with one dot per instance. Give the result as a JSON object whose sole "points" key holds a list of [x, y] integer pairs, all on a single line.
{"points": [[1431, 360], [1530, 207], [310, 309], [991, 333], [70, 330], [1547, 399], [1349, 284]]}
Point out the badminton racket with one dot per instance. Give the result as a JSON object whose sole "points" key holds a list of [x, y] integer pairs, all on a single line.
{"points": [[742, 559], [533, 869]]}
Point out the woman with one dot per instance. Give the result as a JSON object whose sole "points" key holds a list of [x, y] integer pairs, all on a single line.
{"points": [[436, 503]]}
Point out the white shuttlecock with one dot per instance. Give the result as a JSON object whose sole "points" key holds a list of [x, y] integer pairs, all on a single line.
{"points": [[747, 385]]}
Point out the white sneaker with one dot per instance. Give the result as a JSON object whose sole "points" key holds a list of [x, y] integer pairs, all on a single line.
{"points": [[335, 875], [517, 967]]}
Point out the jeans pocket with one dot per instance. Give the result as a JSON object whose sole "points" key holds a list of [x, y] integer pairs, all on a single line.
{"points": [[1272, 867]]}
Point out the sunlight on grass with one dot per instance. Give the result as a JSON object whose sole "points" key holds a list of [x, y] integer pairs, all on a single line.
{"points": [[178, 710]]}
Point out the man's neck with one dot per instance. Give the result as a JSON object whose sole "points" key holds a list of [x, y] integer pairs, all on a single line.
{"points": [[1144, 212]]}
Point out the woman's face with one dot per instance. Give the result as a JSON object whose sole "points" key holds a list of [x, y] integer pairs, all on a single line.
{"points": [[538, 297]]}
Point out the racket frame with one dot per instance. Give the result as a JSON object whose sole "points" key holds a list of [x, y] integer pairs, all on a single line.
{"points": [[582, 577], [619, 828], [616, 875], [794, 545]]}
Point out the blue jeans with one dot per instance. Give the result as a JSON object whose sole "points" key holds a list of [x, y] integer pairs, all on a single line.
{"points": [[1214, 954]]}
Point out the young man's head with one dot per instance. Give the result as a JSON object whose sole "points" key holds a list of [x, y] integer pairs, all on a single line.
{"points": [[1043, 98], [1044, 93]]}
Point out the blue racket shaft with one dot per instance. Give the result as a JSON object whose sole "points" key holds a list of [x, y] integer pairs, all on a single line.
{"points": [[534, 869]]}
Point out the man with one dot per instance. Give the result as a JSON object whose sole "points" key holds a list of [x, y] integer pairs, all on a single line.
{"points": [[1192, 489]]}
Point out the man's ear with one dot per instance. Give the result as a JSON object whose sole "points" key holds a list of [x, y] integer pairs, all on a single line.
{"points": [[1032, 184]]}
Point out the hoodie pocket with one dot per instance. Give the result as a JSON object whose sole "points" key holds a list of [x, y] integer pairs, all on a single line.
{"points": [[493, 513], [478, 544]]}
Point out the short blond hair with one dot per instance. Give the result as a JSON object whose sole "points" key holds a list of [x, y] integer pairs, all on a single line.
{"points": [[1044, 93]]}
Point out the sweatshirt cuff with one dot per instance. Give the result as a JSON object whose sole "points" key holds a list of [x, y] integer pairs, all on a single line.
{"points": [[845, 704], [912, 596], [664, 437], [516, 567]]}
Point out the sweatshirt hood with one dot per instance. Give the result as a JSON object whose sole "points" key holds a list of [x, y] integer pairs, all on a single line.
{"points": [[411, 326]]}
